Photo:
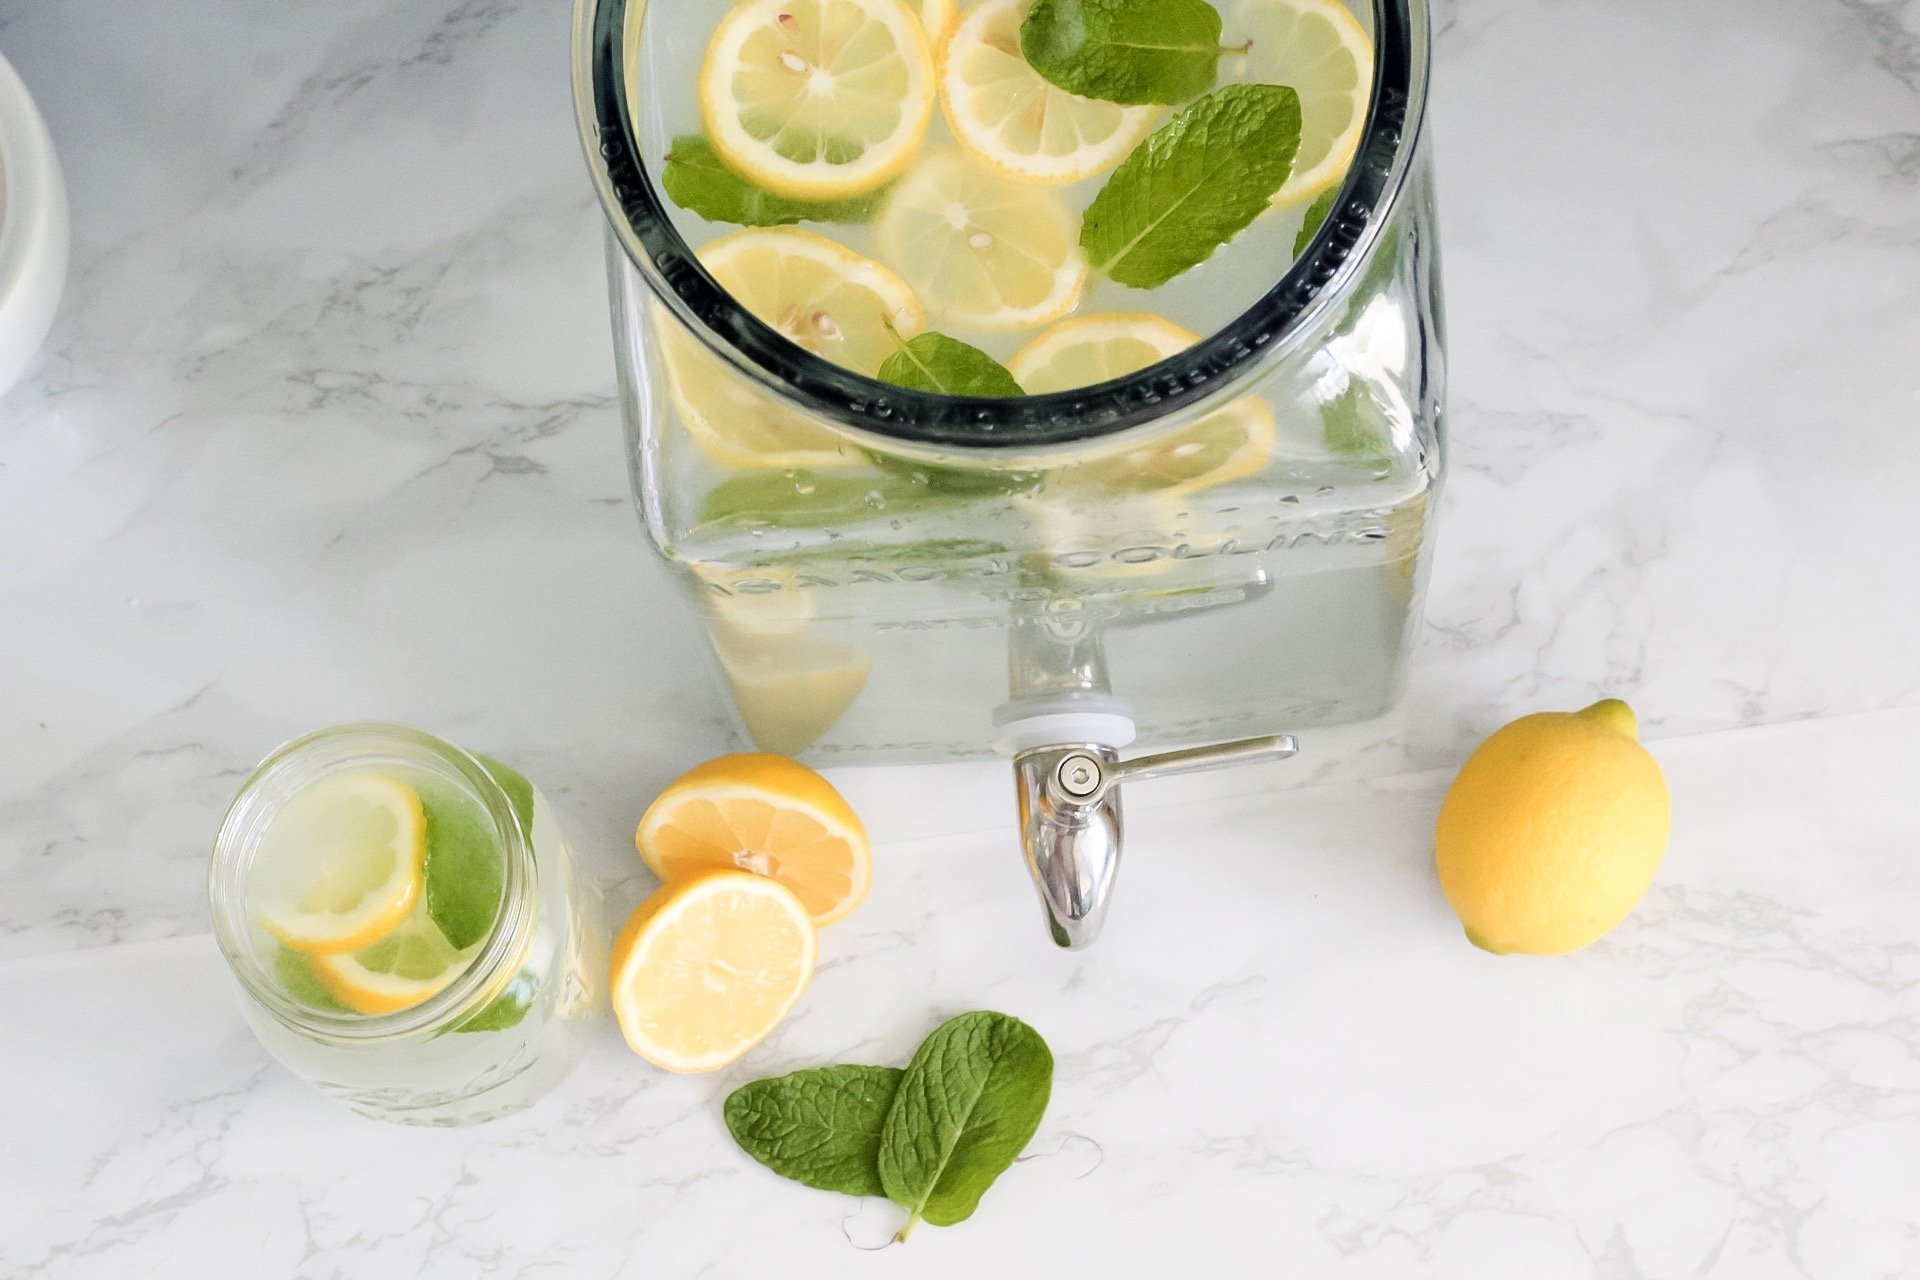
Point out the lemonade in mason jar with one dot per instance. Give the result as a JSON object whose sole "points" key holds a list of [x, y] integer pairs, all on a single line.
{"points": [[406, 925]]}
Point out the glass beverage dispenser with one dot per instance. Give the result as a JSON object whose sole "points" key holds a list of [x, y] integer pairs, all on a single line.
{"points": [[1223, 547]]}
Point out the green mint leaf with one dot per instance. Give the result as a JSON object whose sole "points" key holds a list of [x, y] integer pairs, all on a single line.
{"points": [[698, 181], [302, 983], [519, 791], [1355, 426], [948, 366], [1193, 185], [465, 878], [1129, 51], [1316, 216], [508, 1009], [970, 1102], [820, 1127]]}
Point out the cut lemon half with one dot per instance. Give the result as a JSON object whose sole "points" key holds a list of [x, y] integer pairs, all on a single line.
{"points": [[764, 814], [819, 294], [407, 966], [1227, 444], [341, 864], [982, 251], [707, 967], [1014, 120], [817, 99], [1320, 49]]}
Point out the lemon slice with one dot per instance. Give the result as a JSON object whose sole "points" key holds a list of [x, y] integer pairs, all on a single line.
{"points": [[814, 291], [399, 971], [935, 17], [768, 815], [708, 966], [791, 690], [817, 99], [1014, 120], [341, 864], [1227, 444], [983, 251], [1320, 49]]}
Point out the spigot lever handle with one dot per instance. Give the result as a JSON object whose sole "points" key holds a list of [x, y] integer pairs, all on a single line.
{"points": [[1083, 777]]}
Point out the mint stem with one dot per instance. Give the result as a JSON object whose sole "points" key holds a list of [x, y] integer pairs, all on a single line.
{"points": [[913, 1220]]}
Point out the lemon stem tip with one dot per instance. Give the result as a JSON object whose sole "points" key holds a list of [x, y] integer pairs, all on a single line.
{"points": [[1616, 715]]}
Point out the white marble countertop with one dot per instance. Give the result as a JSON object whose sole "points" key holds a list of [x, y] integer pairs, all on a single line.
{"points": [[326, 429]]}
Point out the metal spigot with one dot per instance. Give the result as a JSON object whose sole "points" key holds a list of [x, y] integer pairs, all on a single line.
{"points": [[1070, 824]]}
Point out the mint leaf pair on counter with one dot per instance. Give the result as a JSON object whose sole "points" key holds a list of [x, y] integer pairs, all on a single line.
{"points": [[931, 1138]]}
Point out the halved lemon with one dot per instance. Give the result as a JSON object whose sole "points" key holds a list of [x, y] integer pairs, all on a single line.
{"points": [[1014, 120], [983, 251], [707, 967], [1320, 49], [399, 971], [341, 864], [1227, 444], [817, 99], [820, 294], [768, 815]]}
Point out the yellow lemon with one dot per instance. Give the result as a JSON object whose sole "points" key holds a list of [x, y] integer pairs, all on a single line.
{"points": [[765, 814], [1553, 830], [708, 966]]}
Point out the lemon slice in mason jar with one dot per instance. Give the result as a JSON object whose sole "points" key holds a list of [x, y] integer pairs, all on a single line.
{"points": [[1320, 49], [817, 99], [341, 864], [982, 251], [935, 17], [401, 970], [819, 294], [1015, 121], [1227, 444]]}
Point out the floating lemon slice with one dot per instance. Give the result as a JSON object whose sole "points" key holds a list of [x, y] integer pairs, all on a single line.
{"points": [[399, 971], [1014, 120], [768, 815], [341, 864], [1225, 445], [707, 967], [983, 251], [817, 293], [792, 691], [817, 99], [1320, 49], [935, 17]]}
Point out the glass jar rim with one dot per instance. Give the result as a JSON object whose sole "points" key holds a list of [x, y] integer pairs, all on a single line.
{"points": [[1277, 321], [292, 764]]}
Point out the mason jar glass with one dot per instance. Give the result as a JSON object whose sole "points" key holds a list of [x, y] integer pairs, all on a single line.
{"points": [[884, 572], [513, 1019]]}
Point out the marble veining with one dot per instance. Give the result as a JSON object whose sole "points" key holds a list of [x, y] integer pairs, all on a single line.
{"points": [[326, 429]]}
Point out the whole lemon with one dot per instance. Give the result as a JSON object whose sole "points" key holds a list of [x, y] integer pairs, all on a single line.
{"points": [[1553, 830]]}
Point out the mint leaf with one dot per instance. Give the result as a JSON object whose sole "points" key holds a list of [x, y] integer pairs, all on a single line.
{"points": [[1193, 185], [302, 983], [970, 1101], [1355, 426], [1124, 50], [934, 362], [1316, 215], [813, 499], [698, 180], [820, 1127], [519, 791], [508, 1009], [465, 878]]}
